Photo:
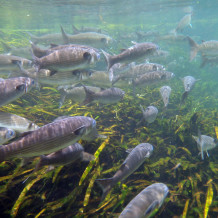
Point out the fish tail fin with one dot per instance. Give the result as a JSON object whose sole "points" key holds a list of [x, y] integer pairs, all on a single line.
{"points": [[106, 185], [64, 35], [184, 96], [90, 95], [108, 59], [194, 48], [36, 62], [87, 157], [6, 47], [75, 30]]}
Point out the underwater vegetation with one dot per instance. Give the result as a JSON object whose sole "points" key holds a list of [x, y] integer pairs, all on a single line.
{"points": [[71, 191]]}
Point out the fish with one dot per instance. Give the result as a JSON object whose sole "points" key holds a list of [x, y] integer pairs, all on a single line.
{"points": [[165, 92], [6, 134], [51, 137], [149, 114], [76, 93], [101, 79], [97, 40], [85, 29], [206, 48], [54, 38], [13, 88], [135, 159], [152, 77], [72, 58], [133, 53], [40, 52], [188, 82], [145, 35], [24, 52], [119, 69], [209, 60], [8, 62], [148, 200], [17, 123], [183, 23], [45, 76], [107, 96], [68, 155], [204, 143], [134, 71], [172, 38]]}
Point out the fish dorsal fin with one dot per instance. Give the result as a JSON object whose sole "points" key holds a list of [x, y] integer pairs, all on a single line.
{"points": [[151, 208], [64, 35], [129, 150], [60, 118], [80, 131]]}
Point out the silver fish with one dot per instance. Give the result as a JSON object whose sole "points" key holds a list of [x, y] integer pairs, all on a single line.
{"points": [[54, 38], [119, 68], [6, 134], [13, 88], [101, 79], [45, 76], [97, 40], [207, 48], [107, 96], [204, 143], [152, 77], [76, 93], [136, 70], [24, 52], [149, 114], [40, 52], [17, 123], [149, 199], [188, 82], [51, 138], [135, 159], [65, 156], [165, 92], [146, 35], [8, 62], [71, 58], [184, 22], [136, 52]]}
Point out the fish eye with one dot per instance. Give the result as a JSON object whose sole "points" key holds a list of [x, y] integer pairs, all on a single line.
{"points": [[10, 133]]}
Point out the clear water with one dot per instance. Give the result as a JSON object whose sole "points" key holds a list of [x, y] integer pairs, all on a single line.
{"points": [[171, 133]]}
